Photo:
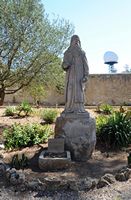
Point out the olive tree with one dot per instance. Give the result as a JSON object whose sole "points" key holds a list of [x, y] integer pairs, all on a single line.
{"points": [[52, 79], [29, 43]]}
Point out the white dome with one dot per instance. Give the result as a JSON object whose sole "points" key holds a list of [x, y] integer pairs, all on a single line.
{"points": [[110, 57]]}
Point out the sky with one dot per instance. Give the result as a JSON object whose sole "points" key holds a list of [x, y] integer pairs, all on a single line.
{"points": [[102, 25]]}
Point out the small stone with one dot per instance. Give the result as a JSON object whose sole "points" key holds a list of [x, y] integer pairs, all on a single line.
{"points": [[127, 173], [22, 187], [33, 185], [120, 177], [21, 178], [2, 146], [73, 185], [13, 180], [1, 156], [102, 183], [12, 171], [85, 184], [2, 169], [110, 178], [8, 174], [94, 184]]}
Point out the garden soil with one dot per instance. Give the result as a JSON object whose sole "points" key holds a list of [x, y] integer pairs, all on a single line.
{"points": [[101, 163]]}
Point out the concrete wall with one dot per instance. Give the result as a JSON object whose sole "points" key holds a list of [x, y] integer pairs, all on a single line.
{"points": [[114, 89]]}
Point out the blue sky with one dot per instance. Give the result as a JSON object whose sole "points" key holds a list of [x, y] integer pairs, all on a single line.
{"points": [[102, 25]]}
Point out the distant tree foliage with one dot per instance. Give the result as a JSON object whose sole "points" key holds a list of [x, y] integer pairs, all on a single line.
{"points": [[29, 43], [52, 78]]}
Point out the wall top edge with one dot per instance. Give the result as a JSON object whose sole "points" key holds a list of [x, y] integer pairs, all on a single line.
{"points": [[118, 74]]}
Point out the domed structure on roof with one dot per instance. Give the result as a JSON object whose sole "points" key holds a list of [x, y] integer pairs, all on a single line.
{"points": [[111, 58]]}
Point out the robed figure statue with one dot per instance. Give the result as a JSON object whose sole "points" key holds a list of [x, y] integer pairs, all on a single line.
{"points": [[76, 66]]}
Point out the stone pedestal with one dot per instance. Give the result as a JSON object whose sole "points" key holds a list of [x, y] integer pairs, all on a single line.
{"points": [[79, 133]]}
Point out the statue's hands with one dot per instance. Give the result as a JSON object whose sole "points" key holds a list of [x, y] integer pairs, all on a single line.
{"points": [[65, 66], [85, 79]]}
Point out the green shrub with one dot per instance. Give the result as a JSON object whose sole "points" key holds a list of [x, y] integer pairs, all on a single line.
{"points": [[128, 114], [101, 120], [24, 108], [18, 136], [10, 111], [116, 132], [106, 109], [49, 115], [19, 163]]}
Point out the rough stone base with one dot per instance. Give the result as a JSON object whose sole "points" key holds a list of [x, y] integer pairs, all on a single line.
{"points": [[79, 132], [53, 164]]}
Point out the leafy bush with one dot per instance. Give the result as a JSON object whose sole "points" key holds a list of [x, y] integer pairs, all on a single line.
{"points": [[18, 136], [106, 109], [116, 132], [10, 111], [24, 108], [128, 114], [101, 121], [49, 115]]}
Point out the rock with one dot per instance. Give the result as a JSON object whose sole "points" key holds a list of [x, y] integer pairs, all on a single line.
{"points": [[8, 173], [120, 177], [79, 133], [55, 163], [2, 168], [82, 184], [102, 183], [13, 180], [124, 174], [21, 178], [2, 146], [85, 184], [55, 184], [22, 188], [127, 172], [1, 156], [109, 178], [36, 185], [73, 185]]}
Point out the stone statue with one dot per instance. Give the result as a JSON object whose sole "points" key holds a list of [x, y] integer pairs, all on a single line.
{"points": [[76, 66], [75, 124]]}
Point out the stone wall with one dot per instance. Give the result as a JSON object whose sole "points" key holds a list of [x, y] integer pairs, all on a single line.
{"points": [[108, 88], [114, 89]]}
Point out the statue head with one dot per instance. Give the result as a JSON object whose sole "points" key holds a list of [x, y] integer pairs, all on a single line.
{"points": [[75, 40]]}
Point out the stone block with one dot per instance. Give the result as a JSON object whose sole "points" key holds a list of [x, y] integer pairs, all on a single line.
{"points": [[54, 163], [56, 145], [79, 133]]}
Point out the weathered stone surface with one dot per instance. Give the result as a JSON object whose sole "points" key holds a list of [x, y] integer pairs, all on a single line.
{"points": [[77, 70], [82, 184], [123, 175], [79, 132], [2, 168], [36, 185], [54, 184], [56, 145], [55, 163], [120, 177], [109, 177], [102, 183]]}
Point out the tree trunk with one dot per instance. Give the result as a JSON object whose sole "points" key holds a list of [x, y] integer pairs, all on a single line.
{"points": [[2, 96]]}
